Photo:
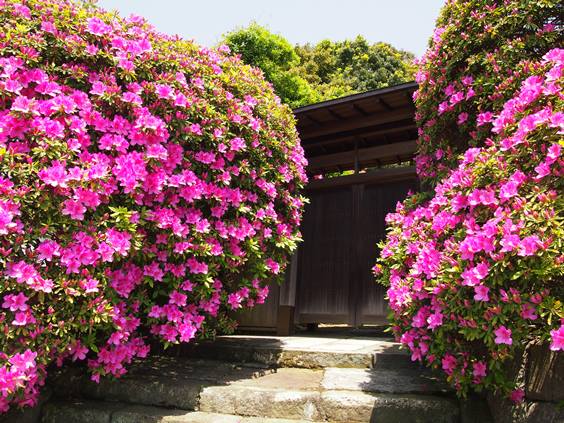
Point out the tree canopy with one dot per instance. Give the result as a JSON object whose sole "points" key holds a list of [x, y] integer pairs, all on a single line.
{"points": [[346, 67], [315, 72], [276, 57]]}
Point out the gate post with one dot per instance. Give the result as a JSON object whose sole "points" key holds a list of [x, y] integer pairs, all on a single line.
{"points": [[287, 301]]}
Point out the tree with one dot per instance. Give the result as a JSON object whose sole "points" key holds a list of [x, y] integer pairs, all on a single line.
{"points": [[346, 67], [276, 57], [308, 73]]}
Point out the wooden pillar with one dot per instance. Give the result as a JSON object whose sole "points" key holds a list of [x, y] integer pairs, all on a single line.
{"points": [[287, 301]]}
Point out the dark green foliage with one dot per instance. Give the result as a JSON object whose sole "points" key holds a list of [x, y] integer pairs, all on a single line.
{"points": [[308, 73], [276, 57], [347, 67]]}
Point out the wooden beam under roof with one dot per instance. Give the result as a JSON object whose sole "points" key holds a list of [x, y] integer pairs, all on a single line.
{"points": [[311, 118], [406, 125], [335, 114], [378, 176], [408, 86], [357, 123], [360, 109], [384, 104], [362, 155]]}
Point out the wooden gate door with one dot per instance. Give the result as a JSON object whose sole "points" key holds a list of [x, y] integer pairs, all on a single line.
{"points": [[341, 228]]}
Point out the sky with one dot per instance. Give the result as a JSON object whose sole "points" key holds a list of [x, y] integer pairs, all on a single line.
{"points": [[406, 24]]}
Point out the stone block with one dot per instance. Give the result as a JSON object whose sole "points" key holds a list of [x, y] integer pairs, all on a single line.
{"points": [[350, 406]]}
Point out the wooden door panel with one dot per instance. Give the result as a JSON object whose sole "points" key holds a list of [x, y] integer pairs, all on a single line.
{"points": [[324, 267], [376, 201]]}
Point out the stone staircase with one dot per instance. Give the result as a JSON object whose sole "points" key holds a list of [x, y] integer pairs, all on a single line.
{"points": [[262, 379]]}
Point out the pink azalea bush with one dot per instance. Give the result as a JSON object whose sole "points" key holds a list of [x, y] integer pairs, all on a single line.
{"points": [[475, 267], [477, 57], [146, 186]]}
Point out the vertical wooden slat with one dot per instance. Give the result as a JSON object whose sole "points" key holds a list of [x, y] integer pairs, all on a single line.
{"points": [[324, 265], [377, 202], [329, 280], [288, 289]]}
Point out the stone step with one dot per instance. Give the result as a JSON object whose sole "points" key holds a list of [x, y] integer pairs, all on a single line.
{"points": [[107, 412], [254, 390], [337, 395], [158, 381], [303, 352]]}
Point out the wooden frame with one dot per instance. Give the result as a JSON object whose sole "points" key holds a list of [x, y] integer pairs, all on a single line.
{"points": [[373, 134]]}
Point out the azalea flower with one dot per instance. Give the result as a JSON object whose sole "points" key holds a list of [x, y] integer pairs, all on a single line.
{"points": [[503, 336]]}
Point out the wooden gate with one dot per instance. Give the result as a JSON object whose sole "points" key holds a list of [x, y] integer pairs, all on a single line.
{"points": [[341, 228], [372, 136]]}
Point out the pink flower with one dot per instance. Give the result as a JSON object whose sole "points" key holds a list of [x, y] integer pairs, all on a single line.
{"points": [[164, 91], [528, 311], [186, 331], [529, 245], [56, 175], [15, 302], [23, 318], [542, 170], [129, 169], [234, 300], [473, 275], [557, 339], [481, 293], [6, 218], [177, 298], [237, 144], [187, 286], [448, 363], [89, 285], [517, 395], [272, 266], [197, 267], [553, 154], [119, 241], [96, 26], [22, 272], [48, 249], [435, 320], [462, 117], [79, 352], [510, 242], [503, 336], [479, 369], [74, 209], [25, 360]]}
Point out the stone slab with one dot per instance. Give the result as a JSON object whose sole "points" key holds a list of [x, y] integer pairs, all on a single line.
{"points": [[287, 378], [303, 352], [337, 395], [155, 415], [96, 412], [475, 409], [78, 412], [159, 381], [311, 343], [351, 406], [393, 381], [261, 402]]}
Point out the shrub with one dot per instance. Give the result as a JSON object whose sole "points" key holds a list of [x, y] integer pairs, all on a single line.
{"points": [[475, 264], [477, 57], [477, 271], [146, 186]]}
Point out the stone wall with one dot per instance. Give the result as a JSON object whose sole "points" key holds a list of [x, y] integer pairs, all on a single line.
{"points": [[541, 371]]}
